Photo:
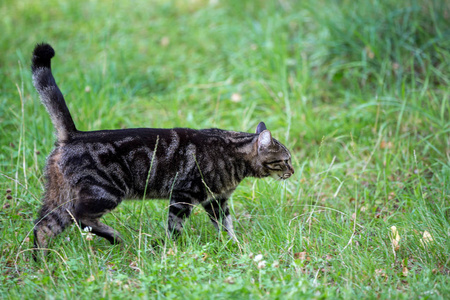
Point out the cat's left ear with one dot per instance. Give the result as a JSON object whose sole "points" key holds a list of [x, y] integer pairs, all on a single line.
{"points": [[264, 139], [261, 127]]}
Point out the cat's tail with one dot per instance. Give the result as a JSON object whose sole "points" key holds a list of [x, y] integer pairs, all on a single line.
{"points": [[49, 92]]}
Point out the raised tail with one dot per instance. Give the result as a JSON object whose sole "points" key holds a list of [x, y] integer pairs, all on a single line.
{"points": [[49, 92]]}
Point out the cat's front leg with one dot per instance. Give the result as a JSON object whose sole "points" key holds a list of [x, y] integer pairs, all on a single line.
{"points": [[180, 208], [227, 223], [218, 211]]}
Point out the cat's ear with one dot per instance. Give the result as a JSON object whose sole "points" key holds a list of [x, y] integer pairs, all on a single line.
{"points": [[264, 139], [261, 127]]}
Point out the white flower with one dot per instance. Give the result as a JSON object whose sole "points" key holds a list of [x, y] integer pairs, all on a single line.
{"points": [[395, 234], [87, 232], [236, 97], [395, 238], [229, 280], [426, 239], [258, 257], [262, 264]]}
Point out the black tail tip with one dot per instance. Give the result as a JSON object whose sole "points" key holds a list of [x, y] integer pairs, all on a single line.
{"points": [[42, 55]]}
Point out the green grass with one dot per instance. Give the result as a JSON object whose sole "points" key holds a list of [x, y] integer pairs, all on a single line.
{"points": [[358, 90]]}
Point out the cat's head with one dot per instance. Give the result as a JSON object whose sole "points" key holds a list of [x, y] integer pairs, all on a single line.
{"points": [[273, 158]]}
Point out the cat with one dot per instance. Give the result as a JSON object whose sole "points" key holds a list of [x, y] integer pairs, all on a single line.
{"points": [[89, 173]]}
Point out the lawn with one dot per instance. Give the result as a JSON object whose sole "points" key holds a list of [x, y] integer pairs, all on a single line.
{"points": [[357, 90]]}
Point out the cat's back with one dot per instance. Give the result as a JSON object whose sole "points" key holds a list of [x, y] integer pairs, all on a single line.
{"points": [[127, 139]]}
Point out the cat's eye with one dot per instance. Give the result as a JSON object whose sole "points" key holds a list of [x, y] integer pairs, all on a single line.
{"points": [[274, 162], [274, 166]]}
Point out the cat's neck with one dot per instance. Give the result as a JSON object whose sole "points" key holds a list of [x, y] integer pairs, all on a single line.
{"points": [[245, 152]]}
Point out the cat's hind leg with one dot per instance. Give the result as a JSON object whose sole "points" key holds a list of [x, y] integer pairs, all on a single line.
{"points": [[180, 209], [95, 201], [51, 222], [55, 214], [101, 229]]}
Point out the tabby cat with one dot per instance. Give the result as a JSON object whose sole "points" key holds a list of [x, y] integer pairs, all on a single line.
{"points": [[89, 173]]}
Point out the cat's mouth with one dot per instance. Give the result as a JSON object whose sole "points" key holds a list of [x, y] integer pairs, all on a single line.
{"points": [[283, 176]]}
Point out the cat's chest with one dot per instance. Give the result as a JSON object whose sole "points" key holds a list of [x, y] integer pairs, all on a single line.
{"points": [[218, 196]]}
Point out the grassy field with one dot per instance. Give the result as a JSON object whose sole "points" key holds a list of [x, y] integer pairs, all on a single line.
{"points": [[358, 90]]}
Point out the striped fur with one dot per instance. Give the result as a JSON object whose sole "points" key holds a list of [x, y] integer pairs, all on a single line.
{"points": [[89, 173]]}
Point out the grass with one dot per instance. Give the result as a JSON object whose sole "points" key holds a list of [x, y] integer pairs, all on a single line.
{"points": [[357, 90]]}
